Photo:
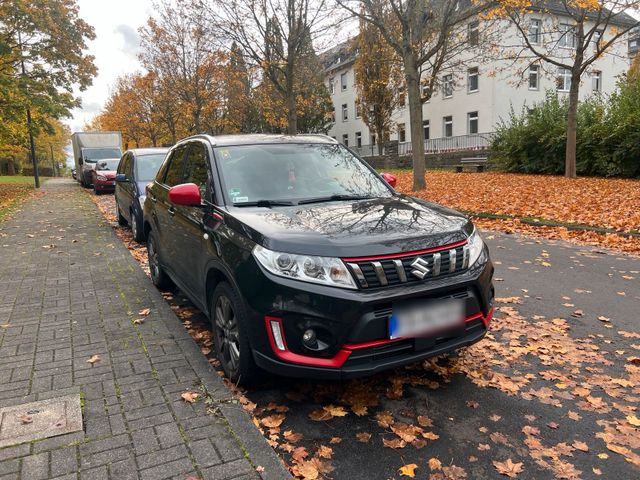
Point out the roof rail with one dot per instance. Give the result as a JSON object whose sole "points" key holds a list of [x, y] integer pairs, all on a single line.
{"points": [[322, 135]]}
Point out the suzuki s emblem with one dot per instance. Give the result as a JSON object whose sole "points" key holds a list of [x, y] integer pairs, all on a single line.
{"points": [[420, 268]]}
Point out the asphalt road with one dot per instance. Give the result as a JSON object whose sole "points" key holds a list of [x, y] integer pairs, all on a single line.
{"points": [[552, 387], [553, 280]]}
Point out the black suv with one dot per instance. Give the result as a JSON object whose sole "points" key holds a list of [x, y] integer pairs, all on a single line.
{"points": [[308, 262]]}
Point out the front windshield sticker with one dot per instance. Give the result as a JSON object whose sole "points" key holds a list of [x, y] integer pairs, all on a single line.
{"points": [[234, 192], [240, 199]]}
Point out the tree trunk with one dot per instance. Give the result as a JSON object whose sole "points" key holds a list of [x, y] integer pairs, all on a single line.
{"points": [[572, 127], [412, 77], [292, 114], [11, 167]]}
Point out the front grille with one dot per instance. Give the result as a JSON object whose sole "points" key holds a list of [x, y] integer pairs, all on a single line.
{"points": [[410, 268]]}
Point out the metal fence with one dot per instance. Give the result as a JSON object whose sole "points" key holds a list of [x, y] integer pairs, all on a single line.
{"points": [[476, 141]]}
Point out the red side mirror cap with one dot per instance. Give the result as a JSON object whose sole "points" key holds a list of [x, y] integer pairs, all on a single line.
{"points": [[390, 179], [187, 194]]}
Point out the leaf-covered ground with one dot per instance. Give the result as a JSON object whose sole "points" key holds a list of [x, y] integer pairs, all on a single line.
{"points": [[11, 194], [551, 392], [596, 202]]}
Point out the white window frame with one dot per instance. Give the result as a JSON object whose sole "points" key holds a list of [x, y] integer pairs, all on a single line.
{"points": [[471, 116], [535, 31], [402, 131], [359, 139], [567, 36], [343, 82], [345, 139], [596, 39], [469, 75], [447, 85], [447, 120], [596, 81], [345, 112], [473, 33], [534, 71], [332, 85], [426, 129], [563, 76]]}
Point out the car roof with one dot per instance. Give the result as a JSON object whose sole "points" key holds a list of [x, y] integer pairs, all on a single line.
{"points": [[261, 138], [147, 151]]}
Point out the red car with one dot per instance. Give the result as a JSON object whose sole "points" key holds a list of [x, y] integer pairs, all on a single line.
{"points": [[104, 176]]}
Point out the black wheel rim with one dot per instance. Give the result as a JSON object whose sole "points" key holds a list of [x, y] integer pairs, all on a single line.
{"points": [[227, 335], [153, 260]]}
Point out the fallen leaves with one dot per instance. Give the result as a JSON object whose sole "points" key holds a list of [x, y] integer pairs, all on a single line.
{"points": [[327, 413], [363, 437], [508, 468], [408, 470], [93, 359], [25, 419], [190, 397], [273, 421]]}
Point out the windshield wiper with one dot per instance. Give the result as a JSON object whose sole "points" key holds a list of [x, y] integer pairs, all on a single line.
{"points": [[335, 197], [265, 203]]}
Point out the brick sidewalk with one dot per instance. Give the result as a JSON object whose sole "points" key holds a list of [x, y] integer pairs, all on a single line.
{"points": [[69, 289]]}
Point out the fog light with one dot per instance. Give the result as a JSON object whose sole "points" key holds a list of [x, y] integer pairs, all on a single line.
{"points": [[310, 339]]}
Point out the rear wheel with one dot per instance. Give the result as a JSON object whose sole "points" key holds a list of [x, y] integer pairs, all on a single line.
{"points": [[232, 344], [136, 227], [158, 276], [121, 220]]}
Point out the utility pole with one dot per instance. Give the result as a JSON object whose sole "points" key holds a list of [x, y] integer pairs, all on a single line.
{"points": [[32, 144], [53, 161]]}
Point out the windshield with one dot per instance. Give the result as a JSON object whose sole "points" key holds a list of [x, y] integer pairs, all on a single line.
{"points": [[107, 164], [93, 154], [147, 166], [295, 172]]}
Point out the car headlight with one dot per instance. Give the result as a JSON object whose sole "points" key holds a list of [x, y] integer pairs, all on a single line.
{"points": [[476, 245], [308, 268], [101, 177]]}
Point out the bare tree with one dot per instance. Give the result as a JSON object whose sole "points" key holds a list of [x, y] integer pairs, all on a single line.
{"points": [[274, 35], [427, 35], [570, 36]]}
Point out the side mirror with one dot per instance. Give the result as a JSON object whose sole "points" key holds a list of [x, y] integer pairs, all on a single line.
{"points": [[121, 178], [390, 179], [186, 194], [80, 161]]}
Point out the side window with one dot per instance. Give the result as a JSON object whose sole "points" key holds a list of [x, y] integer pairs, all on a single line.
{"points": [[129, 166], [195, 168], [121, 163], [173, 175]]}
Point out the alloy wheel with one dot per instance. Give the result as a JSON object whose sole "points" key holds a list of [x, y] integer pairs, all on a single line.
{"points": [[226, 330], [154, 266]]}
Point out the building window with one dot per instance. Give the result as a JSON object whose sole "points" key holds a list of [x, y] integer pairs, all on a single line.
{"points": [[332, 86], [373, 139], [345, 139], [447, 126], [472, 123], [596, 81], [343, 82], [358, 139], [402, 133], [472, 79], [425, 129], [563, 80], [534, 77], [535, 31], [333, 115], [358, 115], [473, 34], [567, 36], [345, 112], [596, 39], [447, 86]]}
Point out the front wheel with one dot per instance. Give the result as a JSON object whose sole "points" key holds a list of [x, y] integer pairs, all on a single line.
{"points": [[158, 276], [136, 227], [232, 344]]}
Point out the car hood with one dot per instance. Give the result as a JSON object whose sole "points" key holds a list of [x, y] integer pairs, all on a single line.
{"points": [[351, 228]]}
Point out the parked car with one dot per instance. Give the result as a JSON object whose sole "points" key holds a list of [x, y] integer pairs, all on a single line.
{"points": [[136, 169], [103, 176], [308, 262]]}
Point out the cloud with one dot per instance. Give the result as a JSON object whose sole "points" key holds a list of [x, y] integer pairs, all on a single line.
{"points": [[131, 39]]}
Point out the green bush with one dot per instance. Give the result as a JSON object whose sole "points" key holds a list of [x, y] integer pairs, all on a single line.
{"points": [[534, 140]]}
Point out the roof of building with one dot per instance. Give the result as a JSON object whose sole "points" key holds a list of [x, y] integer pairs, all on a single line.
{"points": [[340, 55], [260, 138], [559, 7]]}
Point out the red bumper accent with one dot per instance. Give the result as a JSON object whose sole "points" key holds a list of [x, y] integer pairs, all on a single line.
{"points": [[343, 354]]}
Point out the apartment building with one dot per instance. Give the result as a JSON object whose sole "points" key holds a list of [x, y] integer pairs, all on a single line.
{"points": [[473, 96]]}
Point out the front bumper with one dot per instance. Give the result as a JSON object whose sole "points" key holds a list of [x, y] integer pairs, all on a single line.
{"points": [[354, 323], [105, 185]]}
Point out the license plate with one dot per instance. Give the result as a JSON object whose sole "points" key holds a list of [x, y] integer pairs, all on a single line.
{"points": [[425, 318]]}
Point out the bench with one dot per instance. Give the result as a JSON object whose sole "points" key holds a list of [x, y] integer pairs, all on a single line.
{"points": [[477, 162]]}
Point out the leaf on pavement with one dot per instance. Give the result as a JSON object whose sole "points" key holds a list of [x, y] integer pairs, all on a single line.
{"points": [[93, 359], [325, 452], [292, 437], [384, 418], [25, 419], [335, 440], [363, 437], [408, 470], [273, 421], [508, 468], [190, 397], [435, 464], [633, 420], [578, 445], [394, 443], [144, 312]]}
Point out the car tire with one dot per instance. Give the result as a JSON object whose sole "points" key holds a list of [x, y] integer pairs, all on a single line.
{"points": [[121, 220], [229, 323], [158, 276], [95, 190], [136, 227]]}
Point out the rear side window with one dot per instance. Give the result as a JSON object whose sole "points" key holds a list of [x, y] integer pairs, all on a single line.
{"points": [[173, 175], [195, 167], [121, 168]]}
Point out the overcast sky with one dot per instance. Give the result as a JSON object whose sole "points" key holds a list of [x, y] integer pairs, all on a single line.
{"points": [[115, 49]]}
